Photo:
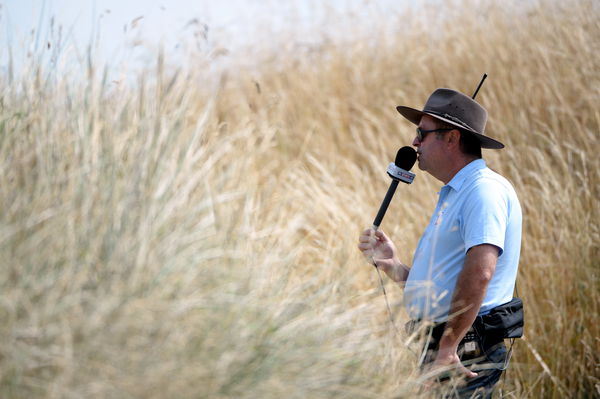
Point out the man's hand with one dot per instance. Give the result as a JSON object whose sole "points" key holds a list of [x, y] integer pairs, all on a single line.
{"points": [[379, 250], [445, 365], [376, 247], [450, 362]]}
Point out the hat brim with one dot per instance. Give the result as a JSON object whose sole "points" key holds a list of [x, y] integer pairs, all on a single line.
{"points": [[414, 115]]}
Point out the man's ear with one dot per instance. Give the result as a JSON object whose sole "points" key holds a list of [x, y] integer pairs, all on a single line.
{"points": [[453, 137]]}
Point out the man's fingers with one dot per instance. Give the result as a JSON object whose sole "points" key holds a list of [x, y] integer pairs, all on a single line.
{"points": [[380, 235], [363, 246], [367, 242], [468, 372], [365, 238]]}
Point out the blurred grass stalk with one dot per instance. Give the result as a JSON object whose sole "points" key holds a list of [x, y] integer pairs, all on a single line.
{"points": [[181, 236]]}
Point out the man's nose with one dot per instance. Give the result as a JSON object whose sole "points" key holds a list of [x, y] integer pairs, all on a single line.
{"points": [[416, 142]]}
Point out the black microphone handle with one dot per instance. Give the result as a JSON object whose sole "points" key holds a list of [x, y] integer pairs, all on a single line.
{"points": [[384, 205]]}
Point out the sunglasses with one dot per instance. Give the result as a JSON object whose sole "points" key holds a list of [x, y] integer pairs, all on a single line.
{"points": [[422, 133]]}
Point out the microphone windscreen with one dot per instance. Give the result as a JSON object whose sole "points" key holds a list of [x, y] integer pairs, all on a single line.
{"points": [[406, 158]]}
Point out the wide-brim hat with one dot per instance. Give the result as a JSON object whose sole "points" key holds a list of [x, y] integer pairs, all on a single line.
{"points": [[456, 109]]}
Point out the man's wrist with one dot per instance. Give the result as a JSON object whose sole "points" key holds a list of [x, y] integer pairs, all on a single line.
{"points": [[392, 268], [398, 270], [447, 347]]}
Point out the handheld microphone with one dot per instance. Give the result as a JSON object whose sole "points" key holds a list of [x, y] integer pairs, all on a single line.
{"points": [[398, 171]]}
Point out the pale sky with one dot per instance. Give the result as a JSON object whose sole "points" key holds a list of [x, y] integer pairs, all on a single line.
{"points": [[123, 25]]}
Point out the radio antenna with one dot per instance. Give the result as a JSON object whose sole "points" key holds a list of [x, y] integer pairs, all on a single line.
{"points": [[479, 87]]}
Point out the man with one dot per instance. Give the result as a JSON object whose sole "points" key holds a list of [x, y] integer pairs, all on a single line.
{"points": [[465, 264]]}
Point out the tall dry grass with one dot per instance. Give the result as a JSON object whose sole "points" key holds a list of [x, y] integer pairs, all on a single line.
{"points": [[186, 236]]}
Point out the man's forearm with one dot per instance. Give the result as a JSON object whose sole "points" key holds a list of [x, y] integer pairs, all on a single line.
{"points": [[398, 272], [464, 309], [468, 296]]}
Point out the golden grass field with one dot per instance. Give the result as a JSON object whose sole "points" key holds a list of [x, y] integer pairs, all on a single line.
{"points": [[186, 236]]}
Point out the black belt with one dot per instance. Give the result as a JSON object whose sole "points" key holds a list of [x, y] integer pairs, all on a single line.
{"points": [[503, 321], [473, 344]]}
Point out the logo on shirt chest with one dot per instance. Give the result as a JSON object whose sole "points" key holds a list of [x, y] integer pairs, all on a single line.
{"points": [[447, 219], [440, 215]]}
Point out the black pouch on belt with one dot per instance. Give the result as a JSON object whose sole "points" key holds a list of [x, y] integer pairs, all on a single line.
{"points": [[503, 321]]}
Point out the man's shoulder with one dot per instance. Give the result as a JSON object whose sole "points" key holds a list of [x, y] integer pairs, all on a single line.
{"points": [[487, 179], [488, 187]]}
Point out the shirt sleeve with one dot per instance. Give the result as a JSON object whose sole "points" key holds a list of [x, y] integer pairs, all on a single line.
{"points": [[485, 216]]}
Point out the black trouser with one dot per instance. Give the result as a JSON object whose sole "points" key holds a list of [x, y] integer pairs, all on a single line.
{"points": [[486, 356]]}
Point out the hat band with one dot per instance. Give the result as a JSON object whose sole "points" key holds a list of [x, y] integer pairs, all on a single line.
{"points": [[452, 118]]}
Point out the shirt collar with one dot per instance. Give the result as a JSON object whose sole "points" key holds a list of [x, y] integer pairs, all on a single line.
{"points": [[459, 178]]}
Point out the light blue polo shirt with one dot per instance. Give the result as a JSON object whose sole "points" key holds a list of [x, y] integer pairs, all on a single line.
{"points": [[478, 206]]}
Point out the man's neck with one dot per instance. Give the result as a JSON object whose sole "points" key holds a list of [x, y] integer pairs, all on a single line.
{"points": [[456, 167]]}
